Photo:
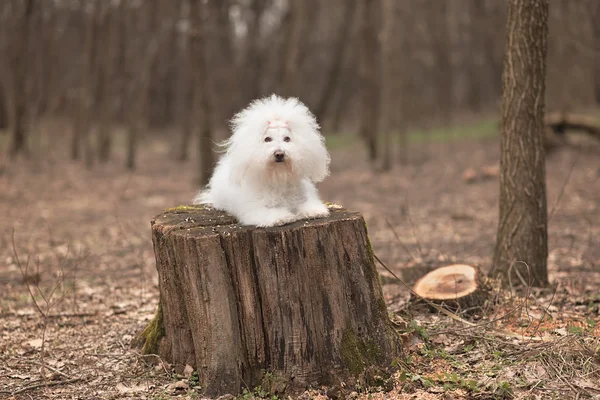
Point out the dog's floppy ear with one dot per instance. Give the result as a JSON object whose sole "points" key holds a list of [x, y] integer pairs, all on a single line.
{"points": [[234, 161], [314, 156], [318, 160], [239, 166]]}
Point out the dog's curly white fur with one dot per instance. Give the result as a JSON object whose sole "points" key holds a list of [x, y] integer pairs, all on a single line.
{"points": [[272, 161]]}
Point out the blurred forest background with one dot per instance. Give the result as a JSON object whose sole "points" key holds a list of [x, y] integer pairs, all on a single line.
{"points": [[97, 76], [109, 113]]}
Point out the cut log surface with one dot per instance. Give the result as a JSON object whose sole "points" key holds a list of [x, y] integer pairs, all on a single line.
{"points": [[283, 307], [458, 285], [560, 122]]}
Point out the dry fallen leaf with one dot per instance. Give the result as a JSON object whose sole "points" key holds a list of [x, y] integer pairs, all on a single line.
{"points": [[561, 331], [469, 175], [188, 371], [123, 389], [177, 386], [35, 343]]}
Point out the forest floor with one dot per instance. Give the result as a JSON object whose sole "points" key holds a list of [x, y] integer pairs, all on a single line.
{"points": [[78, 242]]}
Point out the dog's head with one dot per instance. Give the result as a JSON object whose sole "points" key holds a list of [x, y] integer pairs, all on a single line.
{"points": [[277, 138]]}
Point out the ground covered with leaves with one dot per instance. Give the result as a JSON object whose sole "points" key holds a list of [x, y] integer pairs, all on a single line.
{"points": [[78, 280]]}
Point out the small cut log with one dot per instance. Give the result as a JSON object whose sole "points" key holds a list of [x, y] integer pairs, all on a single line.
{"points": [[456, 286], [559, 123], [284, 307]]}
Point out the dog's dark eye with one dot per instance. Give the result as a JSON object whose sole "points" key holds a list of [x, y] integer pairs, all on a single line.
{"points": [[286, 139], [268, 139]]}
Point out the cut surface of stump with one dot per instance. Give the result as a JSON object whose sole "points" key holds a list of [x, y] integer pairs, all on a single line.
{"points": [[458, 286], [284, 307]]}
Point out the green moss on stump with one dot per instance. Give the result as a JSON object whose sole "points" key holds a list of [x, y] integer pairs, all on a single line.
{"points": [[381, 306], [358, 354], [333, 206], [195, 207], [369, 245], [148, 339], [274, 384]]}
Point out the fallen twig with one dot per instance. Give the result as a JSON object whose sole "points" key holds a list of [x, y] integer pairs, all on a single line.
{"points": [[562, 191], [39, 385], [56, 371], [389, 224]]}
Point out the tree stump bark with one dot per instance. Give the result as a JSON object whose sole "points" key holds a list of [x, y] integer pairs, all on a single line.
{"points": [[456, 286], [284, 307]]}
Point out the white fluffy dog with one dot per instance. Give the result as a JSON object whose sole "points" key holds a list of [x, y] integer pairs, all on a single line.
{"points": [[272, 160]]}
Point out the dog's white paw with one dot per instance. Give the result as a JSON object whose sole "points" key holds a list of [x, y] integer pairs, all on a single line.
{"points": [[271, 217], [313, 210], [280, 222]]}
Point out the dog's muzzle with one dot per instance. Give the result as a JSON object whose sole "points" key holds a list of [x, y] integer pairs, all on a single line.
{"points": [[279, 156]]}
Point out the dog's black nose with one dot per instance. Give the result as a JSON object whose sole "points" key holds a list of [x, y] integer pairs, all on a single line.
{"points": [[279, 155]]}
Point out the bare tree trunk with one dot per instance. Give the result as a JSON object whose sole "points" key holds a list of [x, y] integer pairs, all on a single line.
{"points": [[369, 75], [3, 112], [104, 141], [300, 17], [137, 87], [220, 51], [132, 141], [19, 135], [76, 137], [20, 69], [201, 102], [44, 27], [522, 243], [104, 85], [292, 49], [403, 146], [186, 132], [596, 39], [407, 90], [395, 44], [91, 85], [171, 69], [387, 150], [444, 75], [121, 61], [158, 30], [83, 122], [185, 93], [474, 58], [205, 150], [39, 78], [571, 74], [5, 72], [389, 58], [254, 56], [89, 145], [339, 52], [343, 97], [493, 12]]}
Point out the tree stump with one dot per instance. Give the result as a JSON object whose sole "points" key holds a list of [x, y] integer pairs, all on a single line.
{"points": [[456, 286], [283, 307]]}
